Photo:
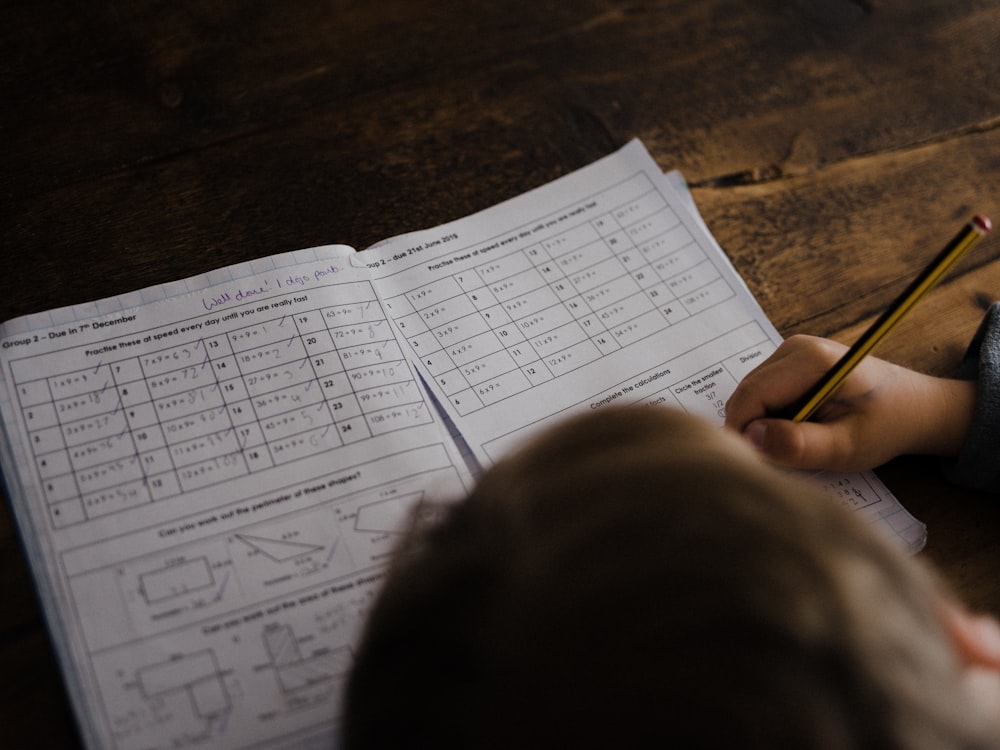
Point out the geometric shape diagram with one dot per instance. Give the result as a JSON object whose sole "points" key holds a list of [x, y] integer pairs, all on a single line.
{"points": [[387, 516], [196, 674], [296, 672], [278, 550], [176, 580]]}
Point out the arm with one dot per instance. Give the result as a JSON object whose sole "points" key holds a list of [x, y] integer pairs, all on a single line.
{"points": [[881, 411]]}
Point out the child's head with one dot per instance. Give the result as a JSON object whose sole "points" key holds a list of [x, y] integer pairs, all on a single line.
{"points": [[637, 577]]}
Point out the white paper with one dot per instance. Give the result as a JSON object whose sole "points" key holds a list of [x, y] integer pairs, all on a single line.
{"points": [[603, 287]]}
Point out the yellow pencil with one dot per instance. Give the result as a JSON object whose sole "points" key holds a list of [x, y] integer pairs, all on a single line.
{"points": [[959, 245]]}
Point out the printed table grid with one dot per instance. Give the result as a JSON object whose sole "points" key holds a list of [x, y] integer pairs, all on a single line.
{"points": [[532, 315], [138, 429]]}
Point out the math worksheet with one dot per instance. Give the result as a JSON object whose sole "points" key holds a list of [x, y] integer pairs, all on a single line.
{"points": [[209, 476]]}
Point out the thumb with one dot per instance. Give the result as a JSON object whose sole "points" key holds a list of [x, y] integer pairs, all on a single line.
{"points": [[798, 445]]}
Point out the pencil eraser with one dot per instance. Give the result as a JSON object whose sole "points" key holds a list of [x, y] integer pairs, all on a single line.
{"points": [[982, 223]]}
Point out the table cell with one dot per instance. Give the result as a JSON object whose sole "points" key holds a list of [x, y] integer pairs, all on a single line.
{"points": [[578, 258], [191, 401], [411, 325], [612, 291], [282, 399], [354, 429], [258, 458], [578, 236], [560, 338], [82, 405], [705, 392], [451, 381], [80, 381], [575, 356], [356, 313], [437, 362], [596, 275], [187, 378], [399, 306], [46, 440], [674, 312], [469, 280], [707, 296], [304, 444], [605, 224], [638, 328], [41, 415], [447, 310], [675, 239], [523, 353], [326, 364], [398, 418], [276, 378], [213, 445], [382, 397], [483, 298], [192, 425], [111, 474], [163, 485], [515, 286], [53, 464], [214, 470], [652, 226], [361, 333], [497, 389], [345, 407], [503, 267], [155, 461], [496, 316], [260, 334], [33, 392], [536, 372], [296, 421], [465, 401], [115, 499], [173, 358], [476, 347], [544, 320], [241, 412], [606, 343], [624, 310], [309, 322], [67, 513], [101, 451], [385, 373], [640, 207], [94, 428], [284, 352], [431, 294], [60, 488], [740, 365], [461, 329], [370, 354], [488, 367]]}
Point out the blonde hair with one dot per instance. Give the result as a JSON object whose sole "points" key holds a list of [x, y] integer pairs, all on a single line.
{"points": [[634, 577]]}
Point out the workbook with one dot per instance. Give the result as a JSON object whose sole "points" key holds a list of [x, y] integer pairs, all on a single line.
{"points": [[210, 475]]}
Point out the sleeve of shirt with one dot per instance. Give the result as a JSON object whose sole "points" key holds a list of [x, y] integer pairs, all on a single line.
{"points": [[978, 464]]}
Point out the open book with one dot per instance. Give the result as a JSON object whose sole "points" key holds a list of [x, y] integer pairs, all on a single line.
{"points": [[209, 475]]}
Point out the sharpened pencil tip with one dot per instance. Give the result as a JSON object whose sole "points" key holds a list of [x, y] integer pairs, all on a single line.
{"points": [[982, 223]]}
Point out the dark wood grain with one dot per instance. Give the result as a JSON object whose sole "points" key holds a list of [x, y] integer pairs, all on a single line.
{"points": [[832, 146]]}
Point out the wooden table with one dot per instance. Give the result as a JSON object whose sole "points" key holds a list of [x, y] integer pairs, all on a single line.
{"points": [[832, 147]]}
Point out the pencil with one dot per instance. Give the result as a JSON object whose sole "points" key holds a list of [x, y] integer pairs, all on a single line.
{"points": [[806, 406]]}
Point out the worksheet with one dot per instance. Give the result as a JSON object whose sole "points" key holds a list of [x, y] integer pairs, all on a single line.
{"points": [[210, 475], [603, 287], [209, 478]]}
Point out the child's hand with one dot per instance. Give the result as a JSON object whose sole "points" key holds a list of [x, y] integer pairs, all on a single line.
{"points": [[880, 411]]}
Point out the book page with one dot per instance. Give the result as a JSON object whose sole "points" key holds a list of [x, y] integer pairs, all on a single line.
{"points": [[603, 287], [209, 477]]}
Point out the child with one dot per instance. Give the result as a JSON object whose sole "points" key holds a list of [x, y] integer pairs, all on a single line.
{"points": [[636, 577], [881, 411]]}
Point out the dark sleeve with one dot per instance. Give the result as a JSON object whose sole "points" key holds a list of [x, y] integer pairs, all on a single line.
{"points": [[978, 464]]}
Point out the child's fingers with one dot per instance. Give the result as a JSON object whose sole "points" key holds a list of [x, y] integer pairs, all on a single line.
{"points": [[805, 445]]}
